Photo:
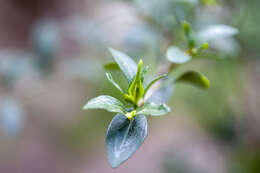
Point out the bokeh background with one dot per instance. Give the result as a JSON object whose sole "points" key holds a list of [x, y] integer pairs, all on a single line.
{"points": [[51, 62]]}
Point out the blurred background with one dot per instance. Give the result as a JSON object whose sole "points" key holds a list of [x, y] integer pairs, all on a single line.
{"points": [[52, 54]]}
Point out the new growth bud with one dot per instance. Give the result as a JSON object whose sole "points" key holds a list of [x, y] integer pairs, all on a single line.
{"points": [[186, 27]]}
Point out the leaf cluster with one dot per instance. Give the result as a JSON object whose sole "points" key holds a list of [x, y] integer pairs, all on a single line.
{"points": [[128, 129]]}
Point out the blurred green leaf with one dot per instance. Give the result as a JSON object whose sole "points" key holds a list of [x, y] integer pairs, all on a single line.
{"points": [[177, 56], [125, 63], [124, 137], [153, 81], [153, 109], [217, 32], [226, 46], [110, 78], [108, 103], [189, 34], [186, 27], [195, 78], [111, 66]]}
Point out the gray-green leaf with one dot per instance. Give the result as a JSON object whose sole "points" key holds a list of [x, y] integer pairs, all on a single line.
{"points": [[177, 56], [108, 103], [217, 32], [153, 109], [125, 63], [124, 137], [110, 78], [195, 78]]}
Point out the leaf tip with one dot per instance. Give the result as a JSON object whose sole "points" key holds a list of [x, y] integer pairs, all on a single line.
{"points": [[114, 165], [111, 49], [167, 108], [140, 63], [206, 82], [85, 107], [186, 26], [107, 75], [205, 45], [164, 75]]}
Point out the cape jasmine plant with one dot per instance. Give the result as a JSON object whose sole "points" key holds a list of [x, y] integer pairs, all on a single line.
{"points": [[128, 128]]}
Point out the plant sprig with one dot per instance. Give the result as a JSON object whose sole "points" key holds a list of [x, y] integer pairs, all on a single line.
{"points": [[128, 129]]}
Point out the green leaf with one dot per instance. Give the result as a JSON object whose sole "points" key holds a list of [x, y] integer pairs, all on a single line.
{"points": [[153, 81], [111, 66], [125, 63], [124, 137], [189, 35], [177, 56], [217, 32], [108, 103], [110, 78], [153, 109], [136, 89], [195, 78], [186, 27]]}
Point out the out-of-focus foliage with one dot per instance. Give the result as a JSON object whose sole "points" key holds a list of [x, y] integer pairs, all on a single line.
{"points": [[11, 115], [42, 124], [45, 40]]}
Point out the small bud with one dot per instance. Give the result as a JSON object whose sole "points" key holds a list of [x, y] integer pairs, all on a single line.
{"points": [[140, 64], [193, 51], [127, 98], [191, 43], [136, 89], [130, 115], [205, 45], [186, 27]]}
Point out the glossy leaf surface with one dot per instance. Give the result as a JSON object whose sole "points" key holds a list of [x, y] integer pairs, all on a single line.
{"points": [[154, 109], [108, 103], [124, 137], [217, 32], [125, 63], [110, 78], [177, 56]]}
